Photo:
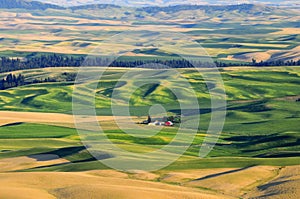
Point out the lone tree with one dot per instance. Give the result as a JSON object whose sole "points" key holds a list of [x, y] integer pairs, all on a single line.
{"points": [[149, 120]]}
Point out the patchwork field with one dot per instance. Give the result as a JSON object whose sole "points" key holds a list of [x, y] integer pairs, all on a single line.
{"points": [[232, 34], [50, 141], [256, 156]]}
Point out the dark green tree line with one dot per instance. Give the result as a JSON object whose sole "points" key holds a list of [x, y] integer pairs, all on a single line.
{"points": [[11, 81], [54, 60]]}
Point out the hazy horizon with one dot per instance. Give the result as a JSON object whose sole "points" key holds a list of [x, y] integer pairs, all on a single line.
{"points": [[67, 3]]}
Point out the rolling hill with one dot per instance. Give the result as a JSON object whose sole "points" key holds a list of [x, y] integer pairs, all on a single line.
{"points": [[253, 157], [45, 153], [31, 5], [69, 3], [272, 32]]}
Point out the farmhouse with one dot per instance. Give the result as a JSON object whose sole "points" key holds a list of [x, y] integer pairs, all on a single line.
{"points": [[156, 123], [164, 121]]}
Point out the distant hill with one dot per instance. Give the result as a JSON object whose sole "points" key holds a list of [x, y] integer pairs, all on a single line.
{"points": [[94, 6], [146, 3], [23, 4], [245, 8], [157, 12], [241, 8], [177, 10]]}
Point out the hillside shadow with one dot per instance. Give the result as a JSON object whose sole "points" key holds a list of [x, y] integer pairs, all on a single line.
{"points": [[68, 151], [63, 152], [222, 173], [12, 124], [275, 192]]}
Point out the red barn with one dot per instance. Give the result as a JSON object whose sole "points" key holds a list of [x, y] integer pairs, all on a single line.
{"points": [[169, 123]]}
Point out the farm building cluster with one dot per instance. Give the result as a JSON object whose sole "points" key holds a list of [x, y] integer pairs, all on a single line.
{"points": [[158, 123], [165, 121]]}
